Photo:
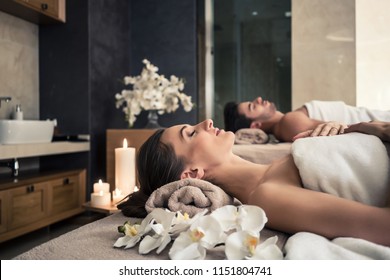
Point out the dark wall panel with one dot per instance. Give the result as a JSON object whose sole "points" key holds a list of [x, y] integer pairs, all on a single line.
{"points": [[109, 51], [164, 32], [64, 66], [83, 61]]}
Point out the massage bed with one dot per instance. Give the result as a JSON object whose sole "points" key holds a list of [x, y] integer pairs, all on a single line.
{"points": [[95, 240]]}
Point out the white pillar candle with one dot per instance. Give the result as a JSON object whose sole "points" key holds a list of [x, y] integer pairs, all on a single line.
{"points": [[100, 198], [101, 186], [117, 196], [125, 169]]}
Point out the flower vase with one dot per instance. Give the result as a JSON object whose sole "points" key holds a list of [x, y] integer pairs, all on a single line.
{"points": [[153, 120]]}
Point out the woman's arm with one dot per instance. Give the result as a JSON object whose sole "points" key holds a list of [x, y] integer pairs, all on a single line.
{"points": [[293, 209], [323, 129], [296, 125]]}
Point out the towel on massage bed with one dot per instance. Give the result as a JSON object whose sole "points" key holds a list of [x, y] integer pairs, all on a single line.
{"points": [[190, 196], [250, 136]]}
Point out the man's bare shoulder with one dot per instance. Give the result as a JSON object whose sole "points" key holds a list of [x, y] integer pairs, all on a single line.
{"points": [[303, 110], [295, 120], [293, 123]]}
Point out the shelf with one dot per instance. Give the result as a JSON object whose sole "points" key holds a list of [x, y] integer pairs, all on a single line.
{"points": [[42, 149], [29, 177], [105, 209]]}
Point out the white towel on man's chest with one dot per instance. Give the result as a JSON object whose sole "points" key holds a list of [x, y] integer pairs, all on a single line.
{"points": [[353, 166], [340, 112]]}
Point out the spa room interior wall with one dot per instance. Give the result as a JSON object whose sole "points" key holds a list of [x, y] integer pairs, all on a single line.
{"points": [[19, 73], [340, 52], [83, 62], [71, 71], [19, 67]]}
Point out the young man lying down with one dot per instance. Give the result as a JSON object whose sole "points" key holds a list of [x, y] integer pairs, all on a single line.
{"points": [[263, 114]]}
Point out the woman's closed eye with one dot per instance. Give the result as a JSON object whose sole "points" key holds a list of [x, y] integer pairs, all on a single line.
{"points": [[192, 133]]}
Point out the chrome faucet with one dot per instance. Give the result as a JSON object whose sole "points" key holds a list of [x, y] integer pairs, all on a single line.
{"points": [[5, 98], [13, 164]]}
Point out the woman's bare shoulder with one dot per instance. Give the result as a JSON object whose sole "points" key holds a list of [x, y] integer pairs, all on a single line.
{"points": [[283, 172]]}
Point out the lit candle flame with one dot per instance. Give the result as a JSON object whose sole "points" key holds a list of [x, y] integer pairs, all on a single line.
{"points": [[125, 143], [100, 182]]}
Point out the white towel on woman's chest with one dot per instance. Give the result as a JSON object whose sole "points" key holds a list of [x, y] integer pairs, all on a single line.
{"points": [[353, 166]]}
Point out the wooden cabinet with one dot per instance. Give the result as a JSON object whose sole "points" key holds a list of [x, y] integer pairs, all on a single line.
{"points": [[36, 11], [51, 8], [26, 205], [3, 226], [64, 194], [35, 202]]}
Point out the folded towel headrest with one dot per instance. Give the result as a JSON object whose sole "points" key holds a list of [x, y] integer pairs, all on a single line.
{"points": [[251, 136]]}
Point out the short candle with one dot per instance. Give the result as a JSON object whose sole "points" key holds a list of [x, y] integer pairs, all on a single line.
{"points": [[100, 199], [100, 186], [117, 196]]}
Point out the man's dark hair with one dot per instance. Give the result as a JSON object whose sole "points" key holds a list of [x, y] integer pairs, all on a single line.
{"points": [[233, 120]]}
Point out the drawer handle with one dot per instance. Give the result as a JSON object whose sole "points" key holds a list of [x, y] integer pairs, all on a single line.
{"points": [[30, 189], [66, 181], [44, 6]]}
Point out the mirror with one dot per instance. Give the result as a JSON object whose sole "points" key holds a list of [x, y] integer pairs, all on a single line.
{"points": [[248, 44]]}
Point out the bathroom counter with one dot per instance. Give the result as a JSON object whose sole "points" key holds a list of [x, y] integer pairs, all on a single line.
{"points": [[42, 149]]}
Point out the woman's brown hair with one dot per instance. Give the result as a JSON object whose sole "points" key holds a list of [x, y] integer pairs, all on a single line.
{"points": [[157, 165]]}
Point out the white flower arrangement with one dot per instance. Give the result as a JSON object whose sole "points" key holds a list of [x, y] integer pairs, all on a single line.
{"points": [[237, 229], [151, 91]]}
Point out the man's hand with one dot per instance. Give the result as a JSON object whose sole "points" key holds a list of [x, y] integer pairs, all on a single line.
{"points": [[377, 128], [324, 129]]}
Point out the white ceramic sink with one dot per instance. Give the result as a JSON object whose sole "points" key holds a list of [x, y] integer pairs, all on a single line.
{"points": [[26, 131]]}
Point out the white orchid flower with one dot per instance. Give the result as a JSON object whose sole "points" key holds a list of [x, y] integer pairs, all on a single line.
{"points": [[161, 224], [246, 245], [243, 217], [165, 225], [205, 233], [133, 233], [183, 222]]}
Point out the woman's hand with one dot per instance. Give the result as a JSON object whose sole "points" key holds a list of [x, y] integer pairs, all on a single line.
{"points": [[324, 129], [377, 128]]}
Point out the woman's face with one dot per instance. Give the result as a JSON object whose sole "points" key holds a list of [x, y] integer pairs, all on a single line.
{"points": [[200, 145]]}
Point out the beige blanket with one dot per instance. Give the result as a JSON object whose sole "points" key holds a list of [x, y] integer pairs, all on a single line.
{"points": [[189, 196]]}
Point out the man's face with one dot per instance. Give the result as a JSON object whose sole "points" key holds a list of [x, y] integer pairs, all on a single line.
{"points": [[257, 110]]}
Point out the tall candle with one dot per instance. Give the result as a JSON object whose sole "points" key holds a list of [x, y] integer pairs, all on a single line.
{"points": [[100, 186], [125, 168]]}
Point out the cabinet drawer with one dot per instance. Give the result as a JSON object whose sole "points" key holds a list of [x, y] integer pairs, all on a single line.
{"points": [[64, 194], [3, 224], [26, 205]]}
